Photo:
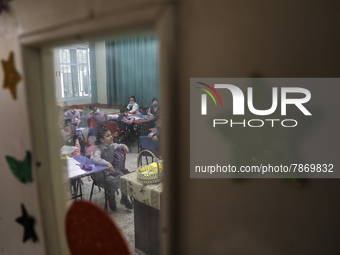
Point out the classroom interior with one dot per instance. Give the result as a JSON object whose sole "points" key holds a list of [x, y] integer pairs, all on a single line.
{"points": [[107, 73]]}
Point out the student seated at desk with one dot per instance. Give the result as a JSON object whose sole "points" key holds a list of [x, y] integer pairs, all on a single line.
{"points": [[104, 155], [68, 134], [156, 134], [74, 116], [71, 139], [156, 131], [125, 123], [99, 116], [133, 107], [155, 109]]}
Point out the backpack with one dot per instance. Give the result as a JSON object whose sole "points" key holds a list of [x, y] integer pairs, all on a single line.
{"points": [[83, 145], [119, 161]]}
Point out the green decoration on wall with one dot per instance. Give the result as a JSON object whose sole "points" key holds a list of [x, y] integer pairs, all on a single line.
{"points": [[21, 169]]}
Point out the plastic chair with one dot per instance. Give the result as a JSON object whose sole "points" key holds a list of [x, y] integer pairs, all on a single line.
{"points": [[112, 126], [106, 192], [79, 131], [144, 127], [120, 156], [146, 143], [93, 127], [117, 134]]}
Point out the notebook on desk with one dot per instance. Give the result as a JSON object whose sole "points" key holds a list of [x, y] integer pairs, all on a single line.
{"points": [[73, 168], [67, 149]]}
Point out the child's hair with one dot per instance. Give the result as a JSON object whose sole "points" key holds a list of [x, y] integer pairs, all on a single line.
{"points": [[100, 134], [154, 99], [123, 109], [72, 129], [92, 106], [133, 98]]}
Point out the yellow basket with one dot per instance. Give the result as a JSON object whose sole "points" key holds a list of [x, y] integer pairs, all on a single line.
{"points": [[150, 177]]}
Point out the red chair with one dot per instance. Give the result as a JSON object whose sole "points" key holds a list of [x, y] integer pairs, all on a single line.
{"points": [[112, 126], [93, 126], [117, 134]]}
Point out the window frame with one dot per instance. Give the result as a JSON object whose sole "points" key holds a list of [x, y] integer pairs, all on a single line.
{"points": [[58, 74]]}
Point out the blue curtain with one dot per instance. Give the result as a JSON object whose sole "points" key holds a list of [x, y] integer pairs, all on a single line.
{"points": [[132, 70]]}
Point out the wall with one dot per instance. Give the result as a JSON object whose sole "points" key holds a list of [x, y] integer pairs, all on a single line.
{"points": [[101, 72], [15, 140], [275, 39]]}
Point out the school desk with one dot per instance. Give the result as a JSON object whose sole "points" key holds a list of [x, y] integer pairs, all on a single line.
{"points": [[115, 115], [140, 119], [75, 173]]}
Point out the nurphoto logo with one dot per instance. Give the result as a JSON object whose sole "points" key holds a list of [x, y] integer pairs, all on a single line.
{"points": [[239, 104]]}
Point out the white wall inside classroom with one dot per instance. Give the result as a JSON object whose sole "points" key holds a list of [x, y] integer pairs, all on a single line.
{"points": [[101, 71], [297, 39]]}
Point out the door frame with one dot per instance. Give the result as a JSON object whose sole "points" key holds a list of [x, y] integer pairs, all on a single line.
{"points": [[38, 70]]}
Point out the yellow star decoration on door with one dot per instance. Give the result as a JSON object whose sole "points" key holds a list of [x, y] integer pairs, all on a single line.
{"points": [[11, 76]]}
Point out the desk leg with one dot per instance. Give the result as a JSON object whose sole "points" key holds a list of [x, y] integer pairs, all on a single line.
{"points": [[106, 200], [147, 228], [106, 194], [76, 185], [137, 133], [79, 183]]}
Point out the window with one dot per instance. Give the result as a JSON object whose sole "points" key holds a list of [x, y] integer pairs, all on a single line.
{"points": [[73, 79]]}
